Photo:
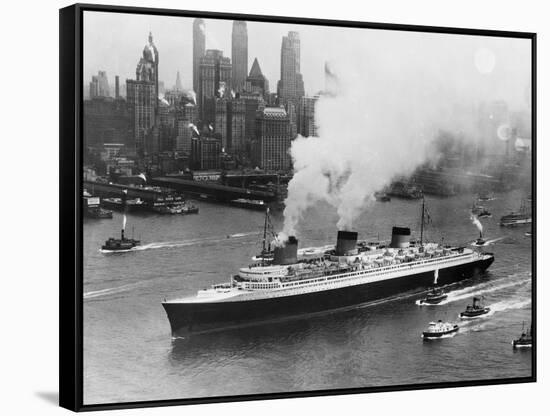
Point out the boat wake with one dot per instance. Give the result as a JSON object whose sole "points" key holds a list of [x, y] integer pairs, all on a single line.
{"points": [[440, 337], [486, 243], [480, 289], [182, 243], [110, 291]]}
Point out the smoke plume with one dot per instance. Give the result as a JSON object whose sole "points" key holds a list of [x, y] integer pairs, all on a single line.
{"points": [[476, 222], [376, 121]]}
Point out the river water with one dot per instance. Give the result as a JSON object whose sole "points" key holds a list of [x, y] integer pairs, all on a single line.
{"points": [[129, 354]]}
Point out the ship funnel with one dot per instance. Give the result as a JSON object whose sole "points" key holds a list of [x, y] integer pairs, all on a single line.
{"points": [[287, 253], [400, 237], [346, 244]]}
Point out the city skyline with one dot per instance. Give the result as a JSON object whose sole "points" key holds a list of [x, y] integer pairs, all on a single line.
{"points": [[106, 37]]}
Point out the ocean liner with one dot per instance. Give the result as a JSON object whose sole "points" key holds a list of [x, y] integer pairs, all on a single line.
{"points": [[351, 273]]}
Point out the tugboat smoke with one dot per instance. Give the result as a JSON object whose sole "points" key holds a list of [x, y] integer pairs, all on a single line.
{"points": [[476, 222]]}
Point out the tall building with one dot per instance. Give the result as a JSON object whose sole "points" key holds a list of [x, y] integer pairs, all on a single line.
{"points": [[199, 46], [239, 55], [186, 130], [256, 81], [99, 87], [142, 99], [253, 102], [236, 125], [178, 86], [214, 78], [306, 116], [117, 87], [272, 143], [291, 85]]}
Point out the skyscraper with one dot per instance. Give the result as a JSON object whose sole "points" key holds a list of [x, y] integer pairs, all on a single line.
{"points": [[142, 96], [291, 85], [178, 86], [270, 148], [99, 87], [306, 116], [199, 46], [256, 81], [239, 54], [214, 78]]}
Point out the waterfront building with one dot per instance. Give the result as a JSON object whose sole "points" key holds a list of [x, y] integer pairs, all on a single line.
{"points": [[256, 81], [291, 85], [273, 137], [199, 45], [239, 55], [142, 98], [306, 116], [214, 78], [205, 153]]}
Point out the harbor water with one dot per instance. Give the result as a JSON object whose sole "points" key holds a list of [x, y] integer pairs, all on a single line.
{"points": [[129, 354]]}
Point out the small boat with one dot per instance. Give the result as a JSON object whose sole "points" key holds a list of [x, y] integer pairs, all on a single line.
{"points": [[480, 211], [120, 245], [480, 241], [434, 296], [439, 329], [123, 243], [525, 340], [475, 309], [99, 213], [382, 197], [485, 196]]}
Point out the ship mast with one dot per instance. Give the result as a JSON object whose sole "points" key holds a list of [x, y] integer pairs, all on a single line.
{"points": [[422, 223]]}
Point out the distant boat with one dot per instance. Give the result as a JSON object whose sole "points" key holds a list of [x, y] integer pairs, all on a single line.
{"points": [[475, 310], [525, 340], [382, 196], [521, 217], [438, 329], [480, 211], [485, 196]]}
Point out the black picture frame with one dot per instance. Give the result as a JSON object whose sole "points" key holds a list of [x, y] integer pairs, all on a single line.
{"points": [[71, 213]]}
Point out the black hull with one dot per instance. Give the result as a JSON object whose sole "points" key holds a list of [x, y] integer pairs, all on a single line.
{"points": [[481, 312], [187, 318]]}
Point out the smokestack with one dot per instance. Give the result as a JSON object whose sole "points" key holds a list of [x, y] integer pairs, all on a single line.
{"points": [[400, 237], [346, 244], [117, 88], [286, 254]]}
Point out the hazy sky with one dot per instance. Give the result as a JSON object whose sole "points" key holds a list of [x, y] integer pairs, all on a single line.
{"points": [[500, 67]]}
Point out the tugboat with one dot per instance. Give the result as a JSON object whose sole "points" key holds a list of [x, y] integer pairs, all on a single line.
{"points": [[439, 329], [525, 340], [123, 244], [480, 241], [475, 309], [434, 296]]}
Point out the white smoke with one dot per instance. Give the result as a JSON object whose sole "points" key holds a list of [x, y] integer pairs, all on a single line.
{"points": [[195, 129], [191, 94], [124, 221], [378, 121], [221, 90], [476, 222]]}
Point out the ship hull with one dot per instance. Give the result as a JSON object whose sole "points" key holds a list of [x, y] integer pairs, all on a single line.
{"points": [[193, 317]]}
